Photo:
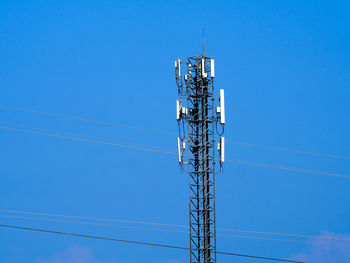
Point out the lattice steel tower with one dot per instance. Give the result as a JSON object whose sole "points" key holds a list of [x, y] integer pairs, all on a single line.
{"points": [[201, 120]]}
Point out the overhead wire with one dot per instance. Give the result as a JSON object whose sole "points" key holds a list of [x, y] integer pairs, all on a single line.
{"points": [[93, 224], [146, 147], [82, 136], [153, 229], [167, 132], [93, 218], [170, 230], [288, 168], [158, 149], [141, 243], [161, 224], [85, 140], [85, 119], [152, 148], [289, 150]]}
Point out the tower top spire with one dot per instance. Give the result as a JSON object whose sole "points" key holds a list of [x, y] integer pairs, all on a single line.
{"points": [[203, 44]]}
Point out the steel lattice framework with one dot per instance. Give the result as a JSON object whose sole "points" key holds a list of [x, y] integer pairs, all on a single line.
{"points": [[198, 129]]}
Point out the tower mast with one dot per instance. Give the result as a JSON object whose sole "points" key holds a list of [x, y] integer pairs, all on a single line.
{"points": [[199, 134]]}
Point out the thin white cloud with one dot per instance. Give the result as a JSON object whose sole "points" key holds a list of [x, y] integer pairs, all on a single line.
{"points": [[74, 254], [326, 248], [78, 254]]}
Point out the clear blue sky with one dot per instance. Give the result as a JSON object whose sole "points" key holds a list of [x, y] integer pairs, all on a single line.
{"points": [[285, 68]]}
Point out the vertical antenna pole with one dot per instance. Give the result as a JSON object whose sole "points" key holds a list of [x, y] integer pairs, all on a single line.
{"points": [[203, 44]]}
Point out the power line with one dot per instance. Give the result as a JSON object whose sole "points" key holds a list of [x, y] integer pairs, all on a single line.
{"points": [[94, 218], [85, 140], [171, 230], [150, 229], [289, 150], [153, 229], [168, 132], [282, 234], [142, 147], [85, 119], [140, 243], [156, 149], [294, 169], [164, 224], [82, 136], [94, 224]]}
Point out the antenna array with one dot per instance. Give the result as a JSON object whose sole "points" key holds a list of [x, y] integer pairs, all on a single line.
{"points": [[201, 121]]}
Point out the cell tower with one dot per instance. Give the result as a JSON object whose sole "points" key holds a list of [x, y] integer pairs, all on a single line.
{"points": [[201, 120]]}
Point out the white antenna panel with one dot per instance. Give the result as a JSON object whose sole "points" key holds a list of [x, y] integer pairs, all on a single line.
{"points": [[222, 106], [212, 68], [179, 67], [179, 149], [178, 109], [222, 149], [204, 74]]}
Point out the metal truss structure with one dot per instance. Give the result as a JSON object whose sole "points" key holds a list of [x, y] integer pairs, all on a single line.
{"points": [[199, 132]]}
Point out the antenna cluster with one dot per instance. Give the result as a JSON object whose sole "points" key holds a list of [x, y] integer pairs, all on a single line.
{"points": [[201, 147], [199, 71]]}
